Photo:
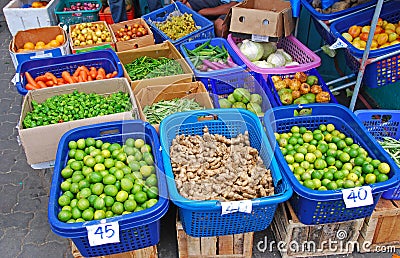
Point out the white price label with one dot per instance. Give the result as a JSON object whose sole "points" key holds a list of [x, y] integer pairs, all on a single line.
{"points": [[358, 196], [236, 206], [338, 44], [259, 38], [103, 233]]}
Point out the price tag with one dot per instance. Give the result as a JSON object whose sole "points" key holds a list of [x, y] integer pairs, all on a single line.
{"points": [[358, 196], [236, 206], [338, 44], [259, 38], [103, 233]]}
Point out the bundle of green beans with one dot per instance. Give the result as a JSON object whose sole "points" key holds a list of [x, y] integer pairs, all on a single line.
{"points": [[158, 111], [391, 146], [147, 67]]}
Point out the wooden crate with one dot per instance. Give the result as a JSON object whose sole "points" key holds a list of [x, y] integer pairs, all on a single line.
{"points": [[381, 230], [149, 252], [295, 239], [229, 246]]}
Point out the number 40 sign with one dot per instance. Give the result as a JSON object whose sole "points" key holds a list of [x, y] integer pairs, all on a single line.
{"points": [[357, 197], [103, 233]]}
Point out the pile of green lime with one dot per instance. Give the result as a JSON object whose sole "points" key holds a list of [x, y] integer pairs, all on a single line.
{"points": [[327, 159], [105, 179]]}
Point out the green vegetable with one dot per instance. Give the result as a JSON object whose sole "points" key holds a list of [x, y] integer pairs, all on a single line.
{"points": [[146, 67], [312, 80], [158, 111], [301, 100], [231, 98], [74, 106], [310, 97], [286, 98], [241, 95], [239, 105], [256, 98], [252, 50], [391, 146], [176, 27], [224, 103], [255, 108]]}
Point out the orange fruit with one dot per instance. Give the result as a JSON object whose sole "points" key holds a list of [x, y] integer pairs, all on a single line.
{"points": [[40, 43], [60, 39], [29, 46], [54, 43], [39, 47]]}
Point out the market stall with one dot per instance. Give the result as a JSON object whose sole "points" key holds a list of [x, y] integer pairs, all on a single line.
{"points": [[240, 135]]}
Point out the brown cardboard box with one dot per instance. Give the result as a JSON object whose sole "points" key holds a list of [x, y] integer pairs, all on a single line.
{"points": [[98, 46], [40, 143], [45, 34], [263, 17], [165, 49], [154, 94], [143, 41]]}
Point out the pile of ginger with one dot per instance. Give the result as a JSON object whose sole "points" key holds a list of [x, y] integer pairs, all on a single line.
{"points": [[213, 167]]}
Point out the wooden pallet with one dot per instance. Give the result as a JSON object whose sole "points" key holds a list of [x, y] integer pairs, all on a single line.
{"points": [[149, 252], [295, 239], [229, 246], [381, 229]]}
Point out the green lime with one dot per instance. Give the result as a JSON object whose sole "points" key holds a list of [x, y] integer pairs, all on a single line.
{"points": [[76, 165], [117, 208], [84, 183], [110, 190], [150, 161], [76, 213], [309, 184], [320, 163], [348, 183], [382, 178], [64, 215], [87, 214], [91, 199], [136, 188], [130, 142], [305, 176], [79, 155], [298, 157], [316, 174], [119, 174], [370, 179], [338, 175], [145, 148], [72, 145], [71, 153], [330, 160], [98, 144], [81, 144], [317, 183], [358, 161], [138, 208], [328, 175], [95, 152], [367, 168], [332, 185], [90, 142], [74, 188], [86, 171], [151, 202], [130, 205], [109, 201], [344, 157], [95, 177], [126, 184], [99, 159], [109, 179], [352, 176], [134, 165], [90, 162], [375, 163], [84, 193], [65, 186], [384, 168], [151, 180], [114, 146], [105, 146], [325, 181], [121, 196], [139, 143], [147, 170], [152, 193], [99, 203], [83, 204], [297, 170], [97, 188], [140, 197], [109, 214], [105, 153], [64, 200]]}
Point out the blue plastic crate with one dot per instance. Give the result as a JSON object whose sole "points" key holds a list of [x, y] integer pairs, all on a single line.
{"points": [[390, 12], [206, 31], [203, 218], [318, 207], [254, 83], [321, 82], [107, 59], [219, 74], [138, 229], [382, 123]]}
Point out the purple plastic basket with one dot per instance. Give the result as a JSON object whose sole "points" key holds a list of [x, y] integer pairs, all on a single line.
{"points": [[300, 53]]}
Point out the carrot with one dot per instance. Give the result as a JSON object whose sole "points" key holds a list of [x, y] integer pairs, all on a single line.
{"points": [[30, 80], [41, 78], [76, 73], [51, 77], [50, 83], [84, 68], [93, 72], [113, 74], [84, 75], [29, 86], [79, 78], [67, 77], [108, 76], [60, 81], [89, 78], [42, 84], [101, 74]]}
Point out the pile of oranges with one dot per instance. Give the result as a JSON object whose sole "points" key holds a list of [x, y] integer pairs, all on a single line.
{"points": [[54, 43]]}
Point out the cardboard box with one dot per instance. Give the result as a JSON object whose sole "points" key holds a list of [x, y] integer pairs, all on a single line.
{"points": [[40, 143], [98, 46], [45, 34], [153, 94], [263, 17], [139, 42], [19, 18], [165, 49]]}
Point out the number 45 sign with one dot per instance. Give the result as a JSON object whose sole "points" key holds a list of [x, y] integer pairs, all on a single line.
{"points": [[103, 233], [357, 197]]}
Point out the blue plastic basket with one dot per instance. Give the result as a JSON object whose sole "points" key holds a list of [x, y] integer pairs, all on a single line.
{"points": [[318, 207], [254, 83], [138, 229], [382, 123], [205, 77], [390, 12], [206, 31], [271, 87], [203, 218], [107, 59]]}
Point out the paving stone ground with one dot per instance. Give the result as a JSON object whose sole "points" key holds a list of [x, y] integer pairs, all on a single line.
{"points": [[24, 228]]}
